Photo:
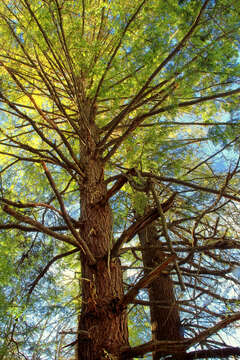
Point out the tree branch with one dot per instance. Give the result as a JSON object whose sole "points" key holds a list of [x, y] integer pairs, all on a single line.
{"points": [[212, 353], [190, 185], [212, 330], [117, 48], [11, 226], [175, 347], [166, 235], [144, 282], [39, 226], [139, 96], [121, 180], [66, 217], [140, 224], [137, 121], [167, 347], [44, 271]]}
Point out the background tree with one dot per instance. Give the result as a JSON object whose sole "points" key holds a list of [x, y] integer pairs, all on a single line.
{"points": [[79, 83]]}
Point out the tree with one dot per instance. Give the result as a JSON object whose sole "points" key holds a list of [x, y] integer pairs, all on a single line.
{"points": [[79, 82], [199, 273]]}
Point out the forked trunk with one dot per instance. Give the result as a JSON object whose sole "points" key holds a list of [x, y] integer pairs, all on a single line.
{"points": [[165, 320], [102, 284]]}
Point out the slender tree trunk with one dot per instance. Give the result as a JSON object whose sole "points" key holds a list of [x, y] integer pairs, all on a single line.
{"points": [[165, 319], [102, 284]]}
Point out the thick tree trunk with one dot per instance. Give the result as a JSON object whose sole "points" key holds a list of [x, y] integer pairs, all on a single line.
{"points": [[165, 320], [102, 284]]}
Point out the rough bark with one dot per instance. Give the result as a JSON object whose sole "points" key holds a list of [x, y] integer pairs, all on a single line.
{"points": [[165, 320], [102, 284]]}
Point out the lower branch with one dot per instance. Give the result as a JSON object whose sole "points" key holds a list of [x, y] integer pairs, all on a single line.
{"points": [[144, 282], [213, 353], [212, 330], [176, 347], [168, 347]]}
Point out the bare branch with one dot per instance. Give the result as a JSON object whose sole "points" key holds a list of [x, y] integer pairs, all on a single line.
{"points": [[166, 235], [144, 282], [46, 268], [190, 185], [212, 353], [214, 329], [167, 347]]}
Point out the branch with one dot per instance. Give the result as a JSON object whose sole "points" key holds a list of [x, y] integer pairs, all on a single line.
{"points": [[212, 353], [66, 162], [137, 121], [144, 282], [11, 226], [21, 205], [174, 347], [179, 46], [167, 347], [212, 330], [213, 155], [117, 48], [44, 271], [190, 185], [166, 235], [174, 123], [140, 94], [66, 217], [121, 180], [39, 226], [140, 224]]}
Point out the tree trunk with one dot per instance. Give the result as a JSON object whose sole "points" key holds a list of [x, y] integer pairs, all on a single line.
{"points": [[102, 284], [165, 319]]}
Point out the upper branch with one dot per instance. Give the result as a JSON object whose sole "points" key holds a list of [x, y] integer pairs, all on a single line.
{"points": [[138, 96], [137, 121], [191, 185], [117, 48]]}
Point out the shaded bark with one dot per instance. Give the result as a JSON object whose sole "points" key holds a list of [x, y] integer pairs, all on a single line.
{"points": [[165, 319], [102, 284]]}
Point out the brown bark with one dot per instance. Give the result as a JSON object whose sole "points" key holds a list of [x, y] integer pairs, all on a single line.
{"points": [[102, 284], [165, 320]]}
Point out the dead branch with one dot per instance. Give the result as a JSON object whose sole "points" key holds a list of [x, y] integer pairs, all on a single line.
{"points": [[144, 282]]}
